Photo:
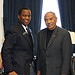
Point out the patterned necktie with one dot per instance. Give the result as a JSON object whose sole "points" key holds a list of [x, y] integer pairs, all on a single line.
{"points": [[30, 35], [28, 31]]}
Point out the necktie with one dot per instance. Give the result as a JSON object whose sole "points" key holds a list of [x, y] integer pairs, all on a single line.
{"points": [[28, 31], [30, 35]]}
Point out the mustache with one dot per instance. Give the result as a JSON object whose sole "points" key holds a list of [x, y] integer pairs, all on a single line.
{"points": [[49, 24]]}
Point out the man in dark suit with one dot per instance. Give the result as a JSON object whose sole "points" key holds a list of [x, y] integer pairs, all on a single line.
{"points": [[17, 51], [54, 48]]}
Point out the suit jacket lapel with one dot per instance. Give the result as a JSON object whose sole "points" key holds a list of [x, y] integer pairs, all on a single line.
{"points": [[52, 37], [25, 35], [45, 37]]}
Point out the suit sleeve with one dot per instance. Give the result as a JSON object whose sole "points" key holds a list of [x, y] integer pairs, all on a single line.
{"points": [[7, 50], [38, 52], [66, 53]]}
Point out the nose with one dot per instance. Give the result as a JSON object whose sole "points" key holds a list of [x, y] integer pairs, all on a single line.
{"points": [[49, 21], [27, 17]]}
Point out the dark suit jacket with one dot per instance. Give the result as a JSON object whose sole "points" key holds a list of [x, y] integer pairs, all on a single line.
{"points": [[17, 51], [55, 59]]}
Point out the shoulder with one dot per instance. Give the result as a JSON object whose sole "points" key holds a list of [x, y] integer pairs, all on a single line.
{"points": [[12, 30], [63, 32], [42, 31]]}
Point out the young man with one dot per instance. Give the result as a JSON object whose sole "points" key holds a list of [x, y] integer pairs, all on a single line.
{"points": [[17, 51]]}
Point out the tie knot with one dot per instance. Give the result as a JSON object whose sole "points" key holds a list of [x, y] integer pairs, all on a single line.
{"points": [[28, 30]]}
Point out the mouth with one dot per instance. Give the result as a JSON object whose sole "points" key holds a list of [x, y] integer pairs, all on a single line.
{"points": [[26, 21], [49, 24]]}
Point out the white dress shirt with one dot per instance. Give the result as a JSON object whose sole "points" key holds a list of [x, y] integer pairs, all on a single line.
{"points": [[24, 27]]}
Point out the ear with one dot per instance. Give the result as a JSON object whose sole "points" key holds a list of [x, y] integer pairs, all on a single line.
{"points": [[56, 19], [18, 16]]}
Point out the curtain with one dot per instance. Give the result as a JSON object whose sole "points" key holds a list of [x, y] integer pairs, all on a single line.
{"points": [[67, 13], [11, 9]]}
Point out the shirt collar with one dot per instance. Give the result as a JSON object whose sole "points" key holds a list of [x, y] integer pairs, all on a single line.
{"points": [[24, 27]]}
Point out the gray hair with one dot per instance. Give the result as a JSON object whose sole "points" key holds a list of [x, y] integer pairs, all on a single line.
{"points": [[52, 13]]}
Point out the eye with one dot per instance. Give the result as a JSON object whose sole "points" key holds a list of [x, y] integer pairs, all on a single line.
{"points": [[51, 18], [29, 16], [25, 15], [46, 19]]}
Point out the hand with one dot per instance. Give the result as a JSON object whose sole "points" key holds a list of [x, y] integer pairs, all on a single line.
{"points": [[13, 73], [38, 72]]}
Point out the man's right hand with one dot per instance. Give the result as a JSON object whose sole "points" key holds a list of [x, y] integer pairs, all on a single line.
{"points": [[13, 73], [38, 72]]}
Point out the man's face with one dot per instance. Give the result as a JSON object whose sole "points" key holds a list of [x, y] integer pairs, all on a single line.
{"points": [[25, 17], [50, 21]]}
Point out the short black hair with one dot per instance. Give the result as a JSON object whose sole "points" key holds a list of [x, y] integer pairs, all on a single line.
{"points": [[22, 9]]}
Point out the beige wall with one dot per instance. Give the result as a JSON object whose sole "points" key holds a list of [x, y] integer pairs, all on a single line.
{"points": [[1, 23]]}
